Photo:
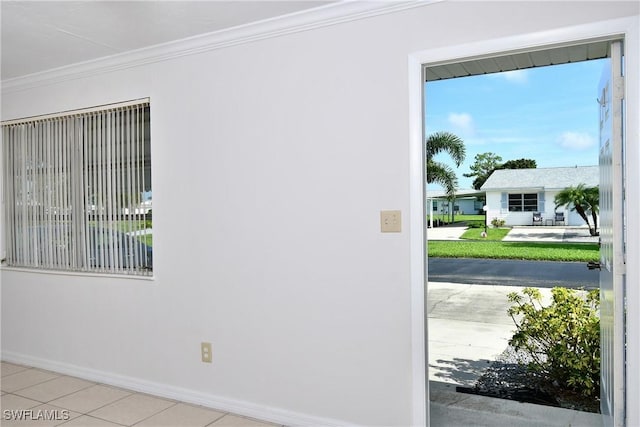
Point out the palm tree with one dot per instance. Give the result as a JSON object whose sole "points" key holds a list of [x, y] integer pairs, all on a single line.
{"points": [[592, 197], [583, 200], [441, 173]]}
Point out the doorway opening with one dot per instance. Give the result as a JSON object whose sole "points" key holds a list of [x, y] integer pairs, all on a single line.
{"points": [[514, 64]]}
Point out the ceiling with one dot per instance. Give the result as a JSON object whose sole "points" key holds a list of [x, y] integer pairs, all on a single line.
{"points": [[43, 35], [37, 36], [520, 61]]}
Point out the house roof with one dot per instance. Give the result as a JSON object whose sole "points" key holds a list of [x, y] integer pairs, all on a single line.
{"points": [[460, 193], [542, 178]]}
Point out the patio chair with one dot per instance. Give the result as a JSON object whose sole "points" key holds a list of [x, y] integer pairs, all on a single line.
{"points": [[537, 218], [559, 218]]}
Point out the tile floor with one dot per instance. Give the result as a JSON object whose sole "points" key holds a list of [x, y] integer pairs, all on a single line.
{"points": [[46, 399]]}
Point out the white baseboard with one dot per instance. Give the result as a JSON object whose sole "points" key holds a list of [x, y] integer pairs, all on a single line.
{"points": [[223, 404]]}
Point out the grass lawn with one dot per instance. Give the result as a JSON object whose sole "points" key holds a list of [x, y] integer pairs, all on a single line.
{"points": [[457, 218], [465, 217], [147, 239], [515, 250], [129, 226], [126, 226], [492, 234]]}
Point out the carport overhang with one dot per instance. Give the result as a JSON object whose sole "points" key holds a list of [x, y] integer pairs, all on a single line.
{"points": [[441, 195], [564, 54]]}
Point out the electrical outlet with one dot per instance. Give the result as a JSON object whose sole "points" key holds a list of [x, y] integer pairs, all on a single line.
{"points": [[390, 221], [205, 352]]}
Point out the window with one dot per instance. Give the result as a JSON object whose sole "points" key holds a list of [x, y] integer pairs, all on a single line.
{"points": [[527, 202], [78, 191]]}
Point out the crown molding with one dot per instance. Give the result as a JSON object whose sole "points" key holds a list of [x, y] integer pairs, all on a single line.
{"points": [[331, 14]]}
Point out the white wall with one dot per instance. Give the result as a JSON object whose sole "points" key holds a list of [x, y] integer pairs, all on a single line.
{"points": [[291, 146], [526, 218]]}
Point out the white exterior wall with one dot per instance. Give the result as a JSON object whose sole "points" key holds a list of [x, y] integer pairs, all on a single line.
{"points": [[291, 146], [525, 218], [466, 207], [571, 217], [493, 206]]}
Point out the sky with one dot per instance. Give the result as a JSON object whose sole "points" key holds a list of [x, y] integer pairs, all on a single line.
{"points": [[549, 114]]}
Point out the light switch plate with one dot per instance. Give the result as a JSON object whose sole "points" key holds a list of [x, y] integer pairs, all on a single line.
{"points": [[205, 351], [390, 221]]}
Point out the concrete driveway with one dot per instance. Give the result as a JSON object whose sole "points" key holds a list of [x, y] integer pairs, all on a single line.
{"points": [[468, 329], [550, 234], [446, 232], [567, 234]]}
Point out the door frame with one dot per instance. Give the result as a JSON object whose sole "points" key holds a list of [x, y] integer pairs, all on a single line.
{"points": [[626, 29]]}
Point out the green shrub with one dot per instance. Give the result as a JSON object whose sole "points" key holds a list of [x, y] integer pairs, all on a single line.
{"points": [[560, 342], [497, 222], [475, 224]]}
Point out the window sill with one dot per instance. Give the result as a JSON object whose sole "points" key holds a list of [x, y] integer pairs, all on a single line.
{"points": [[79, 273]]}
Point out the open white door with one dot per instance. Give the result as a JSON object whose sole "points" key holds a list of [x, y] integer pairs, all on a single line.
{"points": [[612, 237]]}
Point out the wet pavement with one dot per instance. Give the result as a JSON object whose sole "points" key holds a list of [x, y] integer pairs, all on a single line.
{"points": [[508, 272]]}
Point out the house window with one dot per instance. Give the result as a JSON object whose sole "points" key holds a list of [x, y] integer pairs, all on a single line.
{"points": [[527, 202], [78, 191]]}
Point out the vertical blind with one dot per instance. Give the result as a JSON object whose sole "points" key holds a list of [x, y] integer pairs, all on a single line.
{"points": [[77, 191]]}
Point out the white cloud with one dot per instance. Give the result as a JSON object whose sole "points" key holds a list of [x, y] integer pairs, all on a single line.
{"points": [[462, 123], [576, 140], [516, 76]]}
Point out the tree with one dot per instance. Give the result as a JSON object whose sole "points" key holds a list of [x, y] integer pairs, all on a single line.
{"points": [[485, 164], [438, 172], [510, 164], [584, 200], [519, 164], [592, 198]]}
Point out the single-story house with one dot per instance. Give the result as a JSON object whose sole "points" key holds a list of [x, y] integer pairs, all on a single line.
{"points": [[467, 201], [514, 195]]}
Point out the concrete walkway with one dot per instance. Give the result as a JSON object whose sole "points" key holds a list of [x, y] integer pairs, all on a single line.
{"points": [[550, 234], [522, 234], [446, 232], [451, 409], [468, 328]]}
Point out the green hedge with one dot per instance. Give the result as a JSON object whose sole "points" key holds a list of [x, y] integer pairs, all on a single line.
{"points": [[561, 341]]}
